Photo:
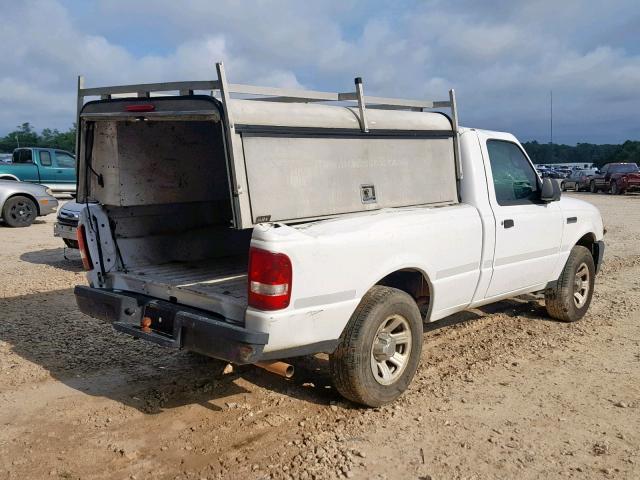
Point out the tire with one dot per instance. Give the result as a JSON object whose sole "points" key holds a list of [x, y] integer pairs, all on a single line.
{"points": [[613, 188], [384, 315], [563, 187], [569, 300], [592, 187], [70, 243], [19, 211]]}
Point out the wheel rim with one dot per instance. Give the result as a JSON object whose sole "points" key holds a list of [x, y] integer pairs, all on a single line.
{"points": [[614, 187], [581, 285], [391, 349], [22, 212]]}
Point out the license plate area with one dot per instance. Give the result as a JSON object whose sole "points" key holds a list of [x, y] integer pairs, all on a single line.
{"points": [[161, 318]]}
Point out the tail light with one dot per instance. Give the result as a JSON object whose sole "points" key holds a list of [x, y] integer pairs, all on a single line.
{"points": [[270, 276], [81, 235]]}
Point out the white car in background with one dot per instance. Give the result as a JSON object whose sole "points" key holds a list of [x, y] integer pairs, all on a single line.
{"points": [[21, 203], [67, 223]]}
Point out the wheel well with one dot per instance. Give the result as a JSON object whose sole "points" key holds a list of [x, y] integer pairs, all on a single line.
{"points": [[412, 282], [27, 196], [8, 177], [589, 241]]}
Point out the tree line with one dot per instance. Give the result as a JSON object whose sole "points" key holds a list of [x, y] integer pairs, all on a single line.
{"points": [[25, 135], [599, 155]]}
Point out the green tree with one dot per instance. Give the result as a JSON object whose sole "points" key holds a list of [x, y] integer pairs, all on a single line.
{"points": [[26, 136], [629, 151]]}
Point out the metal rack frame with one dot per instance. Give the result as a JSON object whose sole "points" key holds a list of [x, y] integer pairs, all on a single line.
{"points": [[363, 101]]}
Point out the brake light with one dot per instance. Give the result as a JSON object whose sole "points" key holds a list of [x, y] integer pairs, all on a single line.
{"points": [[145, 107], [270, 276], [81, 235]]}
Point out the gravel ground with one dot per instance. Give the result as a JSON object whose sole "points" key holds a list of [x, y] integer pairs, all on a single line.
{"points": [[502, 391]]}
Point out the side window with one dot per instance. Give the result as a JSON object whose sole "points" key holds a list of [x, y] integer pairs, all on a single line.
{"points": [[514, 179], [65, 160], [45, 158], [22, 156]]}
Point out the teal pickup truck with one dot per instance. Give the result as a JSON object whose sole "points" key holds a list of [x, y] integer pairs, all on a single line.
{"points": [[51, 167]]}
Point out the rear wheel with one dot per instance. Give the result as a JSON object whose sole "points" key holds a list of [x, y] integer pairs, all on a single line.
{"points": [[569, 299], [380, 349], [19, 211], [615, 188]]}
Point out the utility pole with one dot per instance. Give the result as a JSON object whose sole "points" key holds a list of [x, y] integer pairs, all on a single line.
{"points": [[17, 140], [551, 123]]}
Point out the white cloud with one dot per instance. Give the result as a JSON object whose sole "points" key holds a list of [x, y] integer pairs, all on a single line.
{"points": [[503, 57]]}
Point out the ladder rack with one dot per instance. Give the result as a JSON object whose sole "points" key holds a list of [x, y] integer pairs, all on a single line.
{"points": [[272, 94]]}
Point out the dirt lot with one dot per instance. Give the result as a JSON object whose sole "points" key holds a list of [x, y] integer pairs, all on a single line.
{"points": [[502, 392]]}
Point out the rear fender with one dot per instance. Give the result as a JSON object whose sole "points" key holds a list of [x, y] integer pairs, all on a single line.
{"points": [[6, 176]]}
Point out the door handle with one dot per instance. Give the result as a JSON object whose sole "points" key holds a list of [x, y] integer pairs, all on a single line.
{"points": [[508, 223]]}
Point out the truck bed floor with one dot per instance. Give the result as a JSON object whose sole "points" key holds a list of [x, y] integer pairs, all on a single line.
{"points": [[223, 280]]}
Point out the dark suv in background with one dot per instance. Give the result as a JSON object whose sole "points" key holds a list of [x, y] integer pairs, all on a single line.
{"points": [[616, 178], [578, 180]]}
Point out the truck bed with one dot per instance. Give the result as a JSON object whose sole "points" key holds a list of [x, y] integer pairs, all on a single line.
{"points": [[219, 285]]}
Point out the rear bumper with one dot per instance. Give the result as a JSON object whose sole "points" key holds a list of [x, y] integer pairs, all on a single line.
{"points": [[64, 231], [173, 325]]}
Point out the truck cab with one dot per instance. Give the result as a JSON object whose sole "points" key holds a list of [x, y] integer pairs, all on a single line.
{"points": [[53, 168]]}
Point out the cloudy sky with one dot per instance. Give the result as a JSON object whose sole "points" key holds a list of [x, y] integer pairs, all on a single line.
{"points": [[502, 56]]}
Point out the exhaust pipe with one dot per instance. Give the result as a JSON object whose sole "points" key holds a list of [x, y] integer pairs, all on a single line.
{"points": [[279, 368]]}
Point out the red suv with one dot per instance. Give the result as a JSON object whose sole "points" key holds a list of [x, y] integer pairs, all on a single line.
{"points": [[616, 178]]}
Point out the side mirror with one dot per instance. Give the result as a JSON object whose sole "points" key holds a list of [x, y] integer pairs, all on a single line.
{"points": [[550, 191]]}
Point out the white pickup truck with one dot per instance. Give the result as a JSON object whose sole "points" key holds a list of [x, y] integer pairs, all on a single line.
{"points": [[288, 223]]}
